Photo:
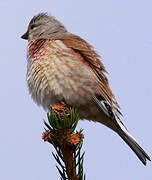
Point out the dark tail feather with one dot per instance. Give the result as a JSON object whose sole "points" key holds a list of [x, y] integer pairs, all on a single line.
{"points": [[135, 147], [113, 121]]}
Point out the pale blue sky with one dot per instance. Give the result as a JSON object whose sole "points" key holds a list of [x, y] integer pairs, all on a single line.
{"points": [[121, 31]]}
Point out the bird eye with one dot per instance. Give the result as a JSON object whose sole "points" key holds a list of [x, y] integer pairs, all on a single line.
{"points": [[33, 26]]}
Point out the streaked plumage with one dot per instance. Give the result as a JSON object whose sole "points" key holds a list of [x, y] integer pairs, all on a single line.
{"points": [[64, 67]]}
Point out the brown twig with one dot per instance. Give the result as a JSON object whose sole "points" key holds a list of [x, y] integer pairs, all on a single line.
{"points": [[69, 161]]}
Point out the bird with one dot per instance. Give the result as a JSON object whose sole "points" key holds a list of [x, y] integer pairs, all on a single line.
{"points": [[63, 67]]}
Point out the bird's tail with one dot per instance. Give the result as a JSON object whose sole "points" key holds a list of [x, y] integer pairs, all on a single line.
{"points": [[110, 118], [132, 143]]}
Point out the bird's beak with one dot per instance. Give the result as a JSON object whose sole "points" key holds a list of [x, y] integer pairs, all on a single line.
{"points": [[25, 36]]}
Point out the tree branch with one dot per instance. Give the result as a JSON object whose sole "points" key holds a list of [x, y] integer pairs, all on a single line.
{"points": [[62, 122]]}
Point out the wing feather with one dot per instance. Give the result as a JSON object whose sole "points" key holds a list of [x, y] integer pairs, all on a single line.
{"points": [[93, 60]]}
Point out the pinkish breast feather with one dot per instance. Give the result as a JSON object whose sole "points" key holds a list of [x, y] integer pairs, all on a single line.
{"points": [[36, 49]]}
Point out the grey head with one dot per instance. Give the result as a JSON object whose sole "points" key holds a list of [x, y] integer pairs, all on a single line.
{"points": [[44, 26]]}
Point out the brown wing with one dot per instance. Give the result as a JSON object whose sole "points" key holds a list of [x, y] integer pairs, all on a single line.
{"points": [[93, 60]]}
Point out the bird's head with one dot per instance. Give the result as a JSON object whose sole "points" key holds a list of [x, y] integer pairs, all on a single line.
{"points": [[44, 26]]}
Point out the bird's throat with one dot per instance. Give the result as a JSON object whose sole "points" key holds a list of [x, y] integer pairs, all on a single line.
{"points": [[36, 49]]}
